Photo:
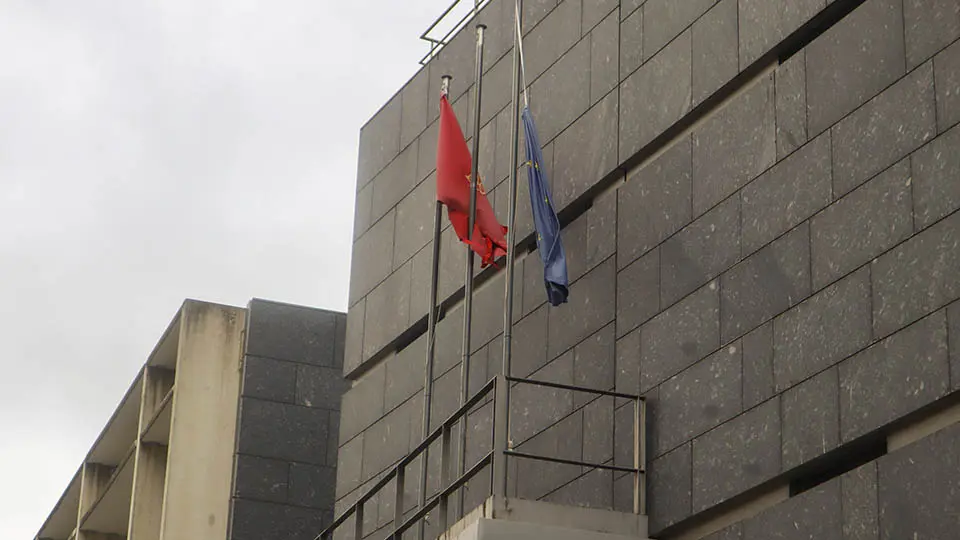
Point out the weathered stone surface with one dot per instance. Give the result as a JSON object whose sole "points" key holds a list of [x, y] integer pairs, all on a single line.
{"points": [[763, 24], [680, 336], [427, 154], [394, 182], [769, 282], [936, 179], [863, 224], [388, 310], [375, 248], [791, 83], [320, 387], [758, 385], [822, 330], [919, 488], [414, 226], [564, 440], [312, 486], [884, 130], [733, 532], [353, 349], [295, 333], [361, 215], [256, 520], [953, 321], [404, 373], [930, 26], [270, 379], [631, 43], [654, 203], [389, 438], [947, 70], [790, 192], [859, 490], [261, 478], [655, 96], [736, 456], [379, 141], [916, 277], [814, 514], [413, 114], [349, 465], [530, 343], [592, 490], [628, 362], [665, 19], [735, 146], [699, 399], [596, 11], [594, 363], [585, 152], [362, 404], [669, 488], [853, 61], [628, 7], [333, 439], [894, 377], [604, 52], [563, 92], [598, 432], [591, 306], [715, 48], [551, 38], [281, 431], [638, 292], [811, 419], [535, 10]]}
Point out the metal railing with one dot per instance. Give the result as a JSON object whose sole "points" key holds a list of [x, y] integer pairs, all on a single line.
{"points": [[495, 459], [438, 43]]}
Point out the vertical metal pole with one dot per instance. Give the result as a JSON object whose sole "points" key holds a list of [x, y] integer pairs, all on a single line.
{"points": [[358, 526], [398, 500], [643, 456], [444, 477], [636, 456], [502, 396], [468, 278]]}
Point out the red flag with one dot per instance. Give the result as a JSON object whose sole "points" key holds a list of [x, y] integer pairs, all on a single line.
{"points": [[453, 190]]}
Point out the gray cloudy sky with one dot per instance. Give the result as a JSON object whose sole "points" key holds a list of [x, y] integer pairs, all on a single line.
{"points": [[152, 151]]}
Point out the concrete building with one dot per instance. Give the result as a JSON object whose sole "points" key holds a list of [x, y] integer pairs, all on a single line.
{"points": [[759, 203], [228, 430]]}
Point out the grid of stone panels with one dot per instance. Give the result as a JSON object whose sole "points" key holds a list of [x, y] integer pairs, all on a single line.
{"points": [[793, 250], [286, 455]]}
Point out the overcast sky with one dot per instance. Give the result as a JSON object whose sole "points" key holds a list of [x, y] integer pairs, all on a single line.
{"points": [[156, 150]]}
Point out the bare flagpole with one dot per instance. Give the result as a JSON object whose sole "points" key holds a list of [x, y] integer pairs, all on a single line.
{"points": [[468, 277]]}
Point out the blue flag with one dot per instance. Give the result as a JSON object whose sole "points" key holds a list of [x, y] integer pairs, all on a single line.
{"points": [[545, 218]]}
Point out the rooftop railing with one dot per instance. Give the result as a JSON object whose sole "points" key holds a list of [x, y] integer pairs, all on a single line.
{"points": [[438, 43]]}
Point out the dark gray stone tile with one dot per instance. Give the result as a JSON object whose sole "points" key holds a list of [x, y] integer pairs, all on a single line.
{"points": [[638, 292], [594, 364], [320, 387], [536, 408], [404, 373], [563, 93], [280, 431], [340, 341], [859, 490], [596, 11], [953, 321], [764, 24], [604, 54], [669, 489], [936, 179], [791, 83], [497, 83], [665, 19], [388, 310], [530, 343], [715, 48], [585, 152], [930, 26], [700, 252], [538, 478], [786, 195], [312, 486], [598, 430], [814, 514], [680, 336], [919, 488], [861, 55], [427, 155], [362, 404], [767, 283], [456, 59], [413, 114], [420, 275], [654, 203], [811, 419], [884, 130], [375, 249], [361, 216], [623, 494], [524, 226], [502, 152], [379, 141], [394, 182], [349, 465], [333, 439], [591, 305], [389, 438], [733, 532], [487, 320], [255, 520], [628, 7], [628, 363], [916, 277], [592, 490], [534, 11], [699, 399], [947, 71], [735, 146], [655, 96], [894, 377], [863, 224], [631, 43], [261, 478], [289, 332], [758, 385], [445, 398], [270, 379], [552, 37], [414, 225], [823, 330], [736, 456]]}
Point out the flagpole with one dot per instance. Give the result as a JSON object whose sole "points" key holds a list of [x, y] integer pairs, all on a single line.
{"points": [[502, 407], [468, 277], [431, 340]]}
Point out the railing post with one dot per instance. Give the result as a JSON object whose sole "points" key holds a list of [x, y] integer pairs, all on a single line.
{"points": [[500, 436], [444, 477], [398, 501], [637, 414], [358, 526]]}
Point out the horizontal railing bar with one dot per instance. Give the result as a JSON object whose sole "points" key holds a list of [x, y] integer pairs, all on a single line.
{"points": [[440, 18], [456, 28], [466, 477], [576, 388], [572, 462]]}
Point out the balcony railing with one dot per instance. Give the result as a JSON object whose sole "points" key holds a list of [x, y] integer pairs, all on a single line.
{"points": [[499, 386], [437, 43]]}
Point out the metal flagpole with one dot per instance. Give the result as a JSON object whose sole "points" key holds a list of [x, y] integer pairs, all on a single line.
{"points": [[468, 277], [502, 407], [431, 340]]}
